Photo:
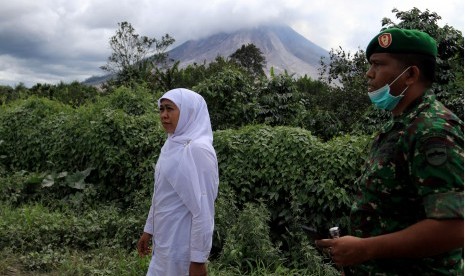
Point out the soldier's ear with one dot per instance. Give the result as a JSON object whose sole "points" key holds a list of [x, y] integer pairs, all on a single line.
{"points": [[413, 75]]}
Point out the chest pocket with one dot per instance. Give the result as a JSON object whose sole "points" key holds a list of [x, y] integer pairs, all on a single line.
{"points": [[387, 164], [386, 148]]}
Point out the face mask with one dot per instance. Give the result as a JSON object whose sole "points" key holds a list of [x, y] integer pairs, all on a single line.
{"points": [[382, 97]]}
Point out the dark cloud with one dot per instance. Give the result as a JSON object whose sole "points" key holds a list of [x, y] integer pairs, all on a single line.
{"points": [[54, 40]]}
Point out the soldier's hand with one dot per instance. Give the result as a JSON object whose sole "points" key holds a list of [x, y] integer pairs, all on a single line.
{"points": [[346, 250]]}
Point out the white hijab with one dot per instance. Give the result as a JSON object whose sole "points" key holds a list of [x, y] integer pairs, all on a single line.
{"points": [[177, 161]]}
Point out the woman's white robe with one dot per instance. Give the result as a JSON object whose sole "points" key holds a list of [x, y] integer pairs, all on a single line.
{"points": [[181, 217]]}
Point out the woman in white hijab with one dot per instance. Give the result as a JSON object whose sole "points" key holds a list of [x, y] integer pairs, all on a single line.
{"points": [[181, 219]]}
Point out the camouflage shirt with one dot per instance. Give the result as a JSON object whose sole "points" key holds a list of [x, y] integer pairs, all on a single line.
{"points": [[414, 171]]}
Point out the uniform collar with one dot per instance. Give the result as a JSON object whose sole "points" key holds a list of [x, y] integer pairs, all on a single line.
{"points": [[412, 111]]}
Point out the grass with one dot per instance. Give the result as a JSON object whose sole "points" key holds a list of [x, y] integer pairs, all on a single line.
{"points": [[35, 240], [107, 261], [104, 261]]}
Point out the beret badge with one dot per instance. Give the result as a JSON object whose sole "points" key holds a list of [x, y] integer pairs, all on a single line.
{"points": [[385, 40]]}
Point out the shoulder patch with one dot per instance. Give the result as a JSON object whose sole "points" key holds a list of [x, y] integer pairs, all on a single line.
{"points": [[436, 155], [435, 148]]}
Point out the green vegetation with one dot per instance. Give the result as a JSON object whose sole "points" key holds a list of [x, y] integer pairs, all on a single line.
{"points": [[76, 162]]}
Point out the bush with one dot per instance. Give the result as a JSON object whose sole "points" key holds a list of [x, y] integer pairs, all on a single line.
{"points": [[31, 227], [22, 128], [111, 154], [248, 240], [117, 139], [230, 99], [65, 262], [300, 178]]}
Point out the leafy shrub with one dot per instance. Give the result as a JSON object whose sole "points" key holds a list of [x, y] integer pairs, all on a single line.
{"points": [[248, 240], [103, 261], [304, 256], [299, 177], [64, 262], [73, 94], [226, 214], [20, 187], [279, 102], [7, 94], [33, 227], [131, 102], [119, 138], [22, 131], [230, 99]]}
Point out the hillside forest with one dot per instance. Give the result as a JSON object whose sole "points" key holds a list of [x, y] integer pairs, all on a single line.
{"points": [[76, 161]]}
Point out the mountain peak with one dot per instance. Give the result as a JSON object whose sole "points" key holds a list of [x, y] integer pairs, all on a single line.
{"points": [[283, 48]]}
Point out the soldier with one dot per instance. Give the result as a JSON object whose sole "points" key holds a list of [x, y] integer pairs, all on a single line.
{"points": [[408, 217]]}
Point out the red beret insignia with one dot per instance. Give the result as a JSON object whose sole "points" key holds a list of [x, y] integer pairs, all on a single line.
{"points": [[385, 40]]}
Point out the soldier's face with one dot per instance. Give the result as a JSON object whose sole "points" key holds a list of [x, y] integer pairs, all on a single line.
{"points": [[384, 69]]}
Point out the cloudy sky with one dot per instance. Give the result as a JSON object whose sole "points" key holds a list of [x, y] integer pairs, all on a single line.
{"points": [[48, 41]]}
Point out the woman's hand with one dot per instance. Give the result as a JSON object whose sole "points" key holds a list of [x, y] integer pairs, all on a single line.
{"points": [[197, 269], [143, 244]]}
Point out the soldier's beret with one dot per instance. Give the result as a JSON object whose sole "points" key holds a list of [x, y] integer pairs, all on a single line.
{"points": [[395, 40]]}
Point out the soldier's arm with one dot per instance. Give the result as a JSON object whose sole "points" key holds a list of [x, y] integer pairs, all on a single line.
{"points": [[426, 238]]}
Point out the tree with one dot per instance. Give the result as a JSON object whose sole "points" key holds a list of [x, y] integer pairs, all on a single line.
{"points": [[164, 79], [347, 103], [346, 100], [230, 97], [74, 93], [280, 103], [7, 94], [344, 69], [251, 58], [133, 56]]}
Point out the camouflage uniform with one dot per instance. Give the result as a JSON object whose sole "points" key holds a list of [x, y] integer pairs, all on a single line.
{"points": [[414, 172]]}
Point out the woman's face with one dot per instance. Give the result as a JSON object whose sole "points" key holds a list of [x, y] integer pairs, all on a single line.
{"points": [[169, 115]]}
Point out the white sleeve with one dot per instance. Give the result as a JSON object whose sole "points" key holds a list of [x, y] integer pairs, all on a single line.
{"points": [[203, 222], [197, 185], [148, 228]]}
